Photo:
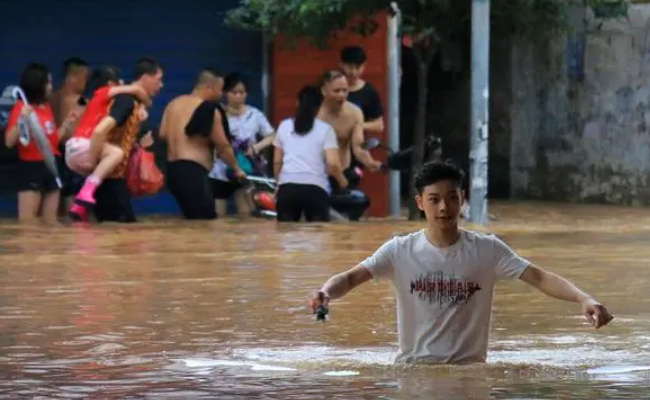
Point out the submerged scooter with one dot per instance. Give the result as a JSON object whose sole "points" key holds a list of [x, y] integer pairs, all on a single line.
{"points": [[401, 160], [346, 205]]}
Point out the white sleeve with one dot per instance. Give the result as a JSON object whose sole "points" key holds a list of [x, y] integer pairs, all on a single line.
{"points": [[507, 263], [284, 127], [264, 127], [330, 141], [381, 263]]}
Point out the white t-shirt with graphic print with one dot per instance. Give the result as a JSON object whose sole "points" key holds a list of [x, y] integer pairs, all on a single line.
{"points": [[444, 295], [244, 129]]}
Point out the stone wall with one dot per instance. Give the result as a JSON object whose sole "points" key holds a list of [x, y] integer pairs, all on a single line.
{"points": [[579, 126]]}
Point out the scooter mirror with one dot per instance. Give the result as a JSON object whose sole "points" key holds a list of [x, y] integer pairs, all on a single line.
{"points": [[371, 143]]}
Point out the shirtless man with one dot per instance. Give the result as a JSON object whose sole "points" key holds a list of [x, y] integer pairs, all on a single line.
{"points": [[65, 100], [347, 121], [69, 96], [192, 127]]}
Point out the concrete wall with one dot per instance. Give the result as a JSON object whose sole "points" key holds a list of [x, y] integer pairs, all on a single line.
{"points": [[578, 137]]}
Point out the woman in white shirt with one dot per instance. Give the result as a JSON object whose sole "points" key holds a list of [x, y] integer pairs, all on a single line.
{"points": [[247, 125], [306, 153]]}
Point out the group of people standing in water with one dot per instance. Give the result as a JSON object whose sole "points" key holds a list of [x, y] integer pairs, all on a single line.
{"points": [[95, 120], [444, 275], [314, 153], [91, 136]]}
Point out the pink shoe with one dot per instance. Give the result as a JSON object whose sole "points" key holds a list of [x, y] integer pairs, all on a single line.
{"points": [[78, 213], [86, 196]]}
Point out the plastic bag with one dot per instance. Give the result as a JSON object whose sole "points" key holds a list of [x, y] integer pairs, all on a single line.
{"points": [[244, 163], [143, 176]]}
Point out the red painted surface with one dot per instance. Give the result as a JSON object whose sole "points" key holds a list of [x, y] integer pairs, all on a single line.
{"points": [[291, 69]]}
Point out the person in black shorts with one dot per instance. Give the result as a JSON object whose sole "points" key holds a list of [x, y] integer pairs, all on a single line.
{"points": [[306, 151], [193, 125], [38, 193]]}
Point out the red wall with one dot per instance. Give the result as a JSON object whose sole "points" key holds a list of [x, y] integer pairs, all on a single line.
{"points": [[291, 69]]}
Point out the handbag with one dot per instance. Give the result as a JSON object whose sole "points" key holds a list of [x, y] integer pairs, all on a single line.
{"points": [[143, 176]]}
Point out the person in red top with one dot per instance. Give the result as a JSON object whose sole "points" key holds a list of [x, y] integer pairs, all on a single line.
{"points": [[88, 153], [37, 188]]}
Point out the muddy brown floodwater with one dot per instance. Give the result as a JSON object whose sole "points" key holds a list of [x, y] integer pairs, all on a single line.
{"points": [[170, 309]]}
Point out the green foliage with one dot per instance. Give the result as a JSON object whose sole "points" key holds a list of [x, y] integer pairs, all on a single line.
{"points": [[430, 20], [313, 19]]}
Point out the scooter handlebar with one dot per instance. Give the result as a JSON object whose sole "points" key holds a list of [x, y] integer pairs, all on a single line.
{"points": [[260, 179]]}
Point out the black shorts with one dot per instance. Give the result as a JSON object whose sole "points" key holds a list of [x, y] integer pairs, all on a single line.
{"points": [[295, 199], [114, 202], [72, 181], [33, 176], [188, 182], [223, 190]]}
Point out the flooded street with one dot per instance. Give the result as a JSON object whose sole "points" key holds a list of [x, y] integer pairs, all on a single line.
{"points": [[170, 309]]}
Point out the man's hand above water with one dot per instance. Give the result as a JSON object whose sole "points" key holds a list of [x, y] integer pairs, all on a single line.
{"points": [[338, 286], [318, 298], [596, 313]]}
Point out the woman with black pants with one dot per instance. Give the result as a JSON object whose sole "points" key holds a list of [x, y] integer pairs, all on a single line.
{"points": [[306, 153]]}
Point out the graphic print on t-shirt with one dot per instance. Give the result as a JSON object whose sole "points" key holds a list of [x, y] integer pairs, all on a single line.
{"points": [[436, 287]]}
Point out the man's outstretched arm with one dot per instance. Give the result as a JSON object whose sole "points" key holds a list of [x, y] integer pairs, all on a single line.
{"points": [[339, 285], [379, 265], [555, 286]]}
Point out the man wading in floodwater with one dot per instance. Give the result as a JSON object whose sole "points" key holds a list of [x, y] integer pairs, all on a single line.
{"points": [[347, 121], [444, 278]]}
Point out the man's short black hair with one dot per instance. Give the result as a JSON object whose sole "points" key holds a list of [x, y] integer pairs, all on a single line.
{"points": [[146, 66], [330, 76], [353, 55], [207, 75], [72, 63], [436, 171]]}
